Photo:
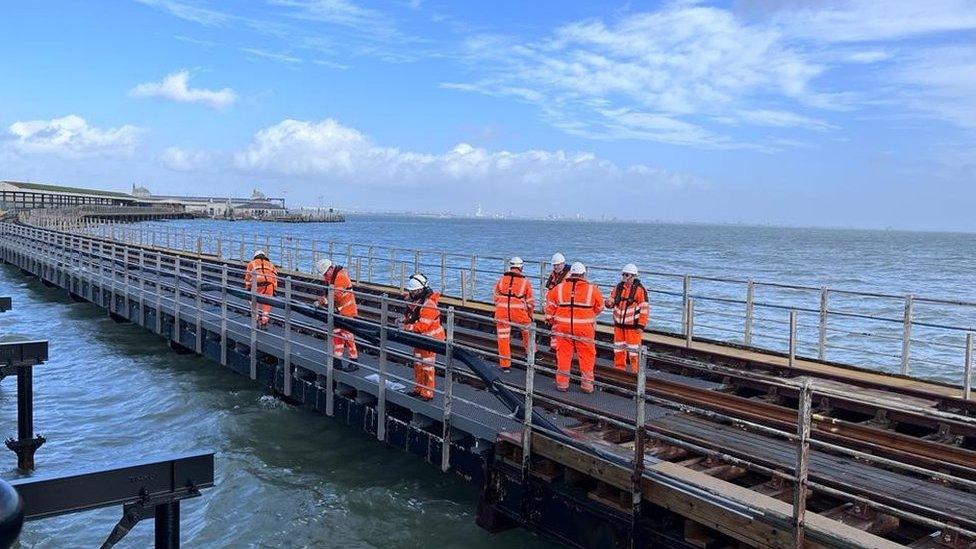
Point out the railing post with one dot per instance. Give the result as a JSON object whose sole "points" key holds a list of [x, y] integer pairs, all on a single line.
{"points": [[349, 259], [685, 299], [199, 304], [381, 389], [142, 286], [369, 265], [474, 268], [125, 280], [792, 350], [689, 321], [822, 336], [448, 393], [253, 340], [527, 408], [159, 292], [112, 306], [177, 269], [359, 269], [637, 477], [750, 312], [967, 385], [223, 314], [906, 339], [329, 350], [286, 359], [443, 272], [802, 464], [542, 286], [464, 300], [403, 275], [416, 261]]}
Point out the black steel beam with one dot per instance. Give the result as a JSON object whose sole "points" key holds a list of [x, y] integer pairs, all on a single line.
{"points": [[163, 481], [20, 351]]}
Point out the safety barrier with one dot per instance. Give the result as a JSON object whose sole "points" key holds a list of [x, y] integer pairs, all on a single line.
{"points": [[198, 288]]}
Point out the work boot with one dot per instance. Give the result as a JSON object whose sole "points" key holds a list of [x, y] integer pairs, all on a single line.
{"points": [[417, 395], [562, 389], [346, 366]]}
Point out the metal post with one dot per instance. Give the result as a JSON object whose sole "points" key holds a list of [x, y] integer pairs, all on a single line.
{"points": [[142, 287], [253, 340], [527, 409], [177, 269], [286, 359], [332, 251], [474, 268], [906, 340], [792, 344], [159, 292], [967, 384], [125, 280], [448, 392], [802, 464], [26, 444], [167, 534], [111, 265], [443, 272], [359, 269], [381, 390], [223, 314], [199, 305], [369, 265], [750, 311], [685, 299], [349, 259], [822, 336], [640, 437], [329, 349], [689, 321], [313, 252], [416, 261], [542, 286], [403, 275], [464, 300]]}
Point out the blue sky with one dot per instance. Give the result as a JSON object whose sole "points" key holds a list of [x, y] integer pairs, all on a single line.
{"points": [[859, 113]]}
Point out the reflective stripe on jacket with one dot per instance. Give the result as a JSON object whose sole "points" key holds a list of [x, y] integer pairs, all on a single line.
{"points": [[513, 294], [574, 302], [630, 306], [262, 271]]}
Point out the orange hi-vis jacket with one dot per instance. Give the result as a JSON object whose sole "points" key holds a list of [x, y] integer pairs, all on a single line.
{"points": [[424, 317], [513, 297], [345, 300], [556, 277], [263, 272], [630, 306], [573, 305]]}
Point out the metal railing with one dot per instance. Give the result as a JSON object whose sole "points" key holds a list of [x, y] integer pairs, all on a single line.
{"points": [[199, 289], [910, 335]]}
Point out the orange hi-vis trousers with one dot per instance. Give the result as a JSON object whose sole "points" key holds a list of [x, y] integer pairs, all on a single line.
{"points": [[583, 346], [424, 373], [626, 348], [264, 309], [503, 329], [342, 340]]}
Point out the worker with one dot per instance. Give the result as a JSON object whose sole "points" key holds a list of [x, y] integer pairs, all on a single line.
{"points": [[559, 271], [513, 305], [262, 278], [337, 278], [571, 308], [630, 312], [423, 317]]}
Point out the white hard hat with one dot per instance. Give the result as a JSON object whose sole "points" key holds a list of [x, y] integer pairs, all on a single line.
{"points": [[516, 262], [630, 269], [577, 269], [259, 253], [321, 266], [557, 258], [413, 284], [419, 277]]}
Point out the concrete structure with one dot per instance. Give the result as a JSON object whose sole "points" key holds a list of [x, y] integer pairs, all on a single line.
{"points": [[17, 195]]}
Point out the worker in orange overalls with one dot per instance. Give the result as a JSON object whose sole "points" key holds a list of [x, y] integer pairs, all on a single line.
{"points": [[630, 312], [513, 305], [559, 271], [423, 317], [261, 277], [571, 308], [336, 277]]}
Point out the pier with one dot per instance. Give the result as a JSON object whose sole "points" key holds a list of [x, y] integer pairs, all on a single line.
{"points": [[717, 441]]}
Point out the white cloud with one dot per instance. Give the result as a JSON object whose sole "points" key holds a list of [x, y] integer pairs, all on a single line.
{"points": [[659, 75], [939, 82], [272, 56], [874, 20], [183, 160], [327, 151], [70, 137], [175, 87], [189, 12]]}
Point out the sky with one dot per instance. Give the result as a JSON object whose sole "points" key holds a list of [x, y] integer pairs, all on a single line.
{"points": [[853, 113]]}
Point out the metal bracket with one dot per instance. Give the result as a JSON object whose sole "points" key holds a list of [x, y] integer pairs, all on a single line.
{"points": [[147, 507]]}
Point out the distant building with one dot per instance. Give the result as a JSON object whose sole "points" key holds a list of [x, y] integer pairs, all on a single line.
{"points": [[17, 194], [258, 205]]}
